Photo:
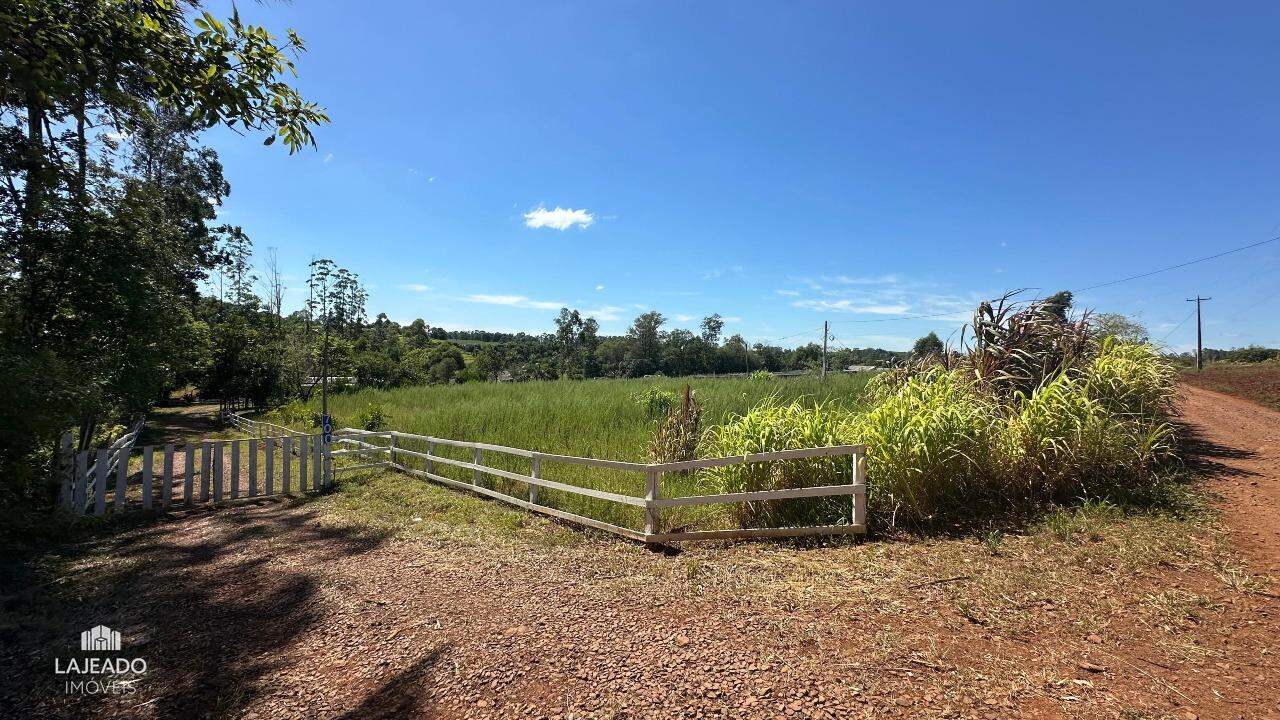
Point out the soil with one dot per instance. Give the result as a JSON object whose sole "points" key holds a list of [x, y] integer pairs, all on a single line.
{"points": [[1237, 442], [272, 610], [1258, 382]]}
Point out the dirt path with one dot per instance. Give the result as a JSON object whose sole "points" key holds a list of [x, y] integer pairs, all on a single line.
{"points": [[1238, 443]]}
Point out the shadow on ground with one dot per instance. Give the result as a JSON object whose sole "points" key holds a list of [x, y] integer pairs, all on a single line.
{"points": [[166, 586]]}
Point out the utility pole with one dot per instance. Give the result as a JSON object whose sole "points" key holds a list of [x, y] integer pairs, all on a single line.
{"points": [[826, 326], [1199, 332]]}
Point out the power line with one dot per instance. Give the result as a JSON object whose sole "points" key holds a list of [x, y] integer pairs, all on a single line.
{"points": [[1175, 327], [1181, 265], [1255, 304]]}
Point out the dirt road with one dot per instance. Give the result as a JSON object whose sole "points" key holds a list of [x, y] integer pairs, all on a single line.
{"points": [[277, 610], [1238, 443]]}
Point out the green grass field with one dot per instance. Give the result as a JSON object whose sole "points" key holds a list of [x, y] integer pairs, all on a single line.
{"points": [[596, 418]]}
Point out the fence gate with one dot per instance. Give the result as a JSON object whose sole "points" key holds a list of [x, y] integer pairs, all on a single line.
{"points": [[124, 475]]}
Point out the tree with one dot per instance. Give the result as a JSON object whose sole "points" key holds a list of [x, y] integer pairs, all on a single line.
{"points": [[1118, 326], [1058, 304], [103, 242], [712, 326], [929, 345], [644, 356]]}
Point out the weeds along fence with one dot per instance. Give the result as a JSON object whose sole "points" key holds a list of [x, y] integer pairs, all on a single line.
{"points": [[525, 483], [208, 471]]}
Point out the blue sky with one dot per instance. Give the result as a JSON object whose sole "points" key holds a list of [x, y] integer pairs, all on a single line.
{"points": [[781, 164]]}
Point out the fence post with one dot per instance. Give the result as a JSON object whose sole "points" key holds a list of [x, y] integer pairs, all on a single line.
{"points": [[391, 449], [328, 463], [859, 488], [302, 464], [431, 450], [100, 483], [81, 483], [650, 495], [122, 479], [536, 472]]}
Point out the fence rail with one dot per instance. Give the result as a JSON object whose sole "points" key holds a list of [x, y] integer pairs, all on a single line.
{"points": [[360, 446]]}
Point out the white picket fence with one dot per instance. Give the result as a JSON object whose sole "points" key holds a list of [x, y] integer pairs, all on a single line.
{"points": [[223, 469], [361, 444]]}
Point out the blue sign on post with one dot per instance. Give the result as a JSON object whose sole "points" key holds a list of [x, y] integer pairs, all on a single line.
{"points": [[326, 428]]}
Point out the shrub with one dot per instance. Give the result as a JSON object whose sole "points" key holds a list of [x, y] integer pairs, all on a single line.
{"points": [[1092, 429], [296, 413], [761, 375], [928, 443], [656, 402], [774, 425], [676, 438], [1131, 379], [373, 417]]}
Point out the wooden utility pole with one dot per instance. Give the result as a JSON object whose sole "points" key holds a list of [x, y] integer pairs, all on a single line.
{"points": [[825, 332], [1199, 332]]}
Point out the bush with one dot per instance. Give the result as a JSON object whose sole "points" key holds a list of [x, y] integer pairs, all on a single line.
{"points": [[773, 425], [761, 375], [929, 444], [373, 417], [948, 444], [677, 436], [656, 402]]}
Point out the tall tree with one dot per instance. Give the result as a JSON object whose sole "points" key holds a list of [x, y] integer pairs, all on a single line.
{"points": [[644, 356]]}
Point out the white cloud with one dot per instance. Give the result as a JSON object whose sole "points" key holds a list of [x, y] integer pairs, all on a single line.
{"points": [[558, 219], [731, 319], [328, 157], [851, 306], [733, 270], [431, 179], [415, 287], [790, 293], [877, 280], [599, 288], [682, 318], [605, 313], [519, 301]]}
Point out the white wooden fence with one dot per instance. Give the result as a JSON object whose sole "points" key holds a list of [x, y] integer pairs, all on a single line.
{"points": [[362, 444], [211, 470]]}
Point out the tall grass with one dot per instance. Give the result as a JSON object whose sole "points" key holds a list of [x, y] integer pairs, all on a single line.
{"points": [[594, 418], [948, 444], [777, 425]]}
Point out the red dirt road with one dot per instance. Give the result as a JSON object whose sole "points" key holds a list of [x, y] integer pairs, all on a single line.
{"points": [[1240, 446]]}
